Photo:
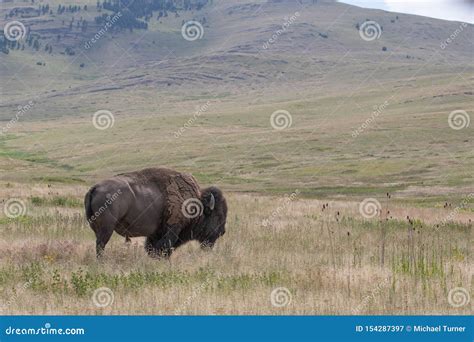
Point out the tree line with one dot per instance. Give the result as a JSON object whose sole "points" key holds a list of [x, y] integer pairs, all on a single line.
{"points": [[134, 14]]}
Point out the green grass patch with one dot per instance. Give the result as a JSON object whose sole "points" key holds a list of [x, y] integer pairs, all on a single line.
{"points": [[82, 282], [32, 157], [59, 179], [57, 201], [24, 220]]}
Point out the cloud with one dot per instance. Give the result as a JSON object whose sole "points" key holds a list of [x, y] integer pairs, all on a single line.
{"points": [[459, 10]]}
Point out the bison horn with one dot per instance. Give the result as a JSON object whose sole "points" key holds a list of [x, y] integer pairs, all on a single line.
{"points": [[212, 202]]}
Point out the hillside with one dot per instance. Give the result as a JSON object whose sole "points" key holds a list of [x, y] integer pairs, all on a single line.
{"points": [[232, 50], [254, 57]]}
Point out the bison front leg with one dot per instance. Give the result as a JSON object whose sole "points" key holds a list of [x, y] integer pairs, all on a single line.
{"points": [[163, 247]]}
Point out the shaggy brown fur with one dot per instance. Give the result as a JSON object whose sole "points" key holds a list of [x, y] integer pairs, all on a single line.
{"points": [[151, 204], [180, 188]]}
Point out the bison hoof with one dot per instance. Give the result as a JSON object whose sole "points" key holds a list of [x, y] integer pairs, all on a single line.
{"points": [[159, 254]]}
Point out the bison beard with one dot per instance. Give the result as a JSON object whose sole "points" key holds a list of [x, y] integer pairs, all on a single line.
{"points": [[151, 205]]}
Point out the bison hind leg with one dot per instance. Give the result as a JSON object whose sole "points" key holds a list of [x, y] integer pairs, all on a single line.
{"points": [[102, 237]]}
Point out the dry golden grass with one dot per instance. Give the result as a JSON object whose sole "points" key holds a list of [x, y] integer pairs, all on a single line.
{"points": [[329, 266]]}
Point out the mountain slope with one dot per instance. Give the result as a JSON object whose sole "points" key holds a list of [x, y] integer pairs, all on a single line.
{"points": [[311, 41], [367, 116]]}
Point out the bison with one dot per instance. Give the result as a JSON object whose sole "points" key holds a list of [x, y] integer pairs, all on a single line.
{"points": [[167, 207]]}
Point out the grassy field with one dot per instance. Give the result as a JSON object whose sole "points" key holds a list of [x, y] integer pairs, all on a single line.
{"points": [[315, 261], [409, 148], [367, 119]]}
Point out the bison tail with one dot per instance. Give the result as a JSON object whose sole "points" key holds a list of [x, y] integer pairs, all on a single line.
{"points": [[88, 205]]}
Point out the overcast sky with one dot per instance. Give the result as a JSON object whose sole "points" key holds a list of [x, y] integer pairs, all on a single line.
{"points": [[459, 10]]}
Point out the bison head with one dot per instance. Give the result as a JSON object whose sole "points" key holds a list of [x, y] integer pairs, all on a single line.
{"points": [[214, 216]]}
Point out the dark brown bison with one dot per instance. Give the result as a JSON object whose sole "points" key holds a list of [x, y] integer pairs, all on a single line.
{"points": [[166, 206]]}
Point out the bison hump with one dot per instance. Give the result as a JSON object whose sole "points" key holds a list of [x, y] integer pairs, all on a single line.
{"points": [[180, 187]]}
